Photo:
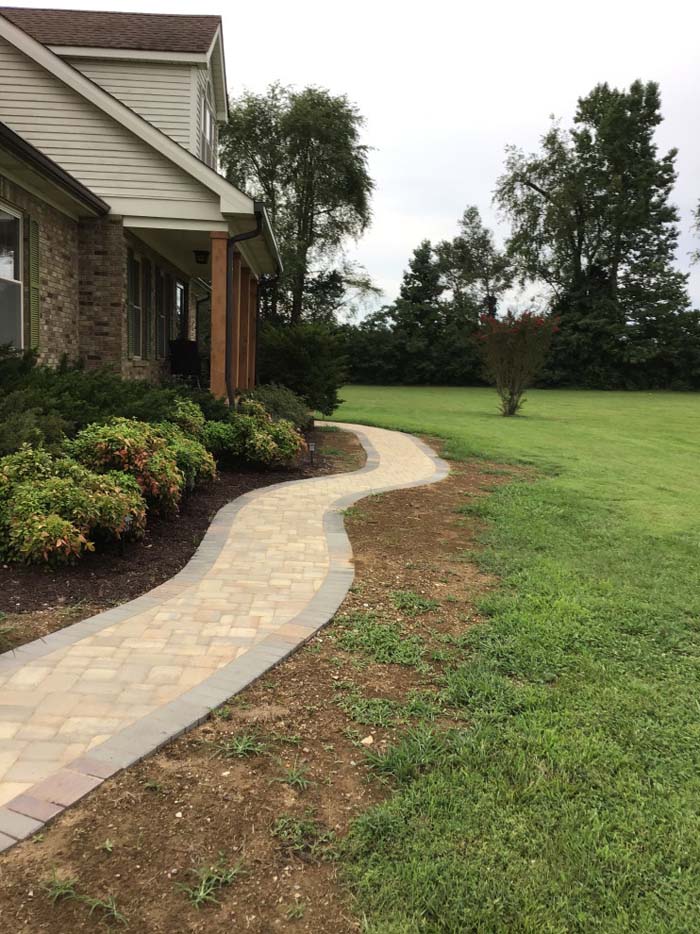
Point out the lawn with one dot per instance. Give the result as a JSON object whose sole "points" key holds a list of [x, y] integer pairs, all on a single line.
{"points": [[571, 801]]}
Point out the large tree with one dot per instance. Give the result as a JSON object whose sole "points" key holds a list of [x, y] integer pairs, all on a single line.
{"points": [[475, 270], [301, 153], [591, 217]]}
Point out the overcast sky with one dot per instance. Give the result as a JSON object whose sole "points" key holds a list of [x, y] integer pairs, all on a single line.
{"points": [[444, 87]]}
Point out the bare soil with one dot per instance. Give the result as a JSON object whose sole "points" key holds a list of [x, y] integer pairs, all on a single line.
{"points": [[144, 833], [35, 601]]}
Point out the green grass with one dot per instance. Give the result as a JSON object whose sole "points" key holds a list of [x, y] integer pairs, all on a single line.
{"points": [[572, 801]]}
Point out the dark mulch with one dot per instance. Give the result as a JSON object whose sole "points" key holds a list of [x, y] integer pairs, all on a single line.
{"points": [[112, 576]]}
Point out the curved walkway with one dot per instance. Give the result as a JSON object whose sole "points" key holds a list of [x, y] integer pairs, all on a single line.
{"points": [[92, 698]]}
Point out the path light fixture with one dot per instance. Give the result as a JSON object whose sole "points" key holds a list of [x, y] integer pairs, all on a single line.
{"points": [[312, 448], [201, 257]]}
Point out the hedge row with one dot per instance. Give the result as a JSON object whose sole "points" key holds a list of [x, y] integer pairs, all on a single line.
{"points": [[100, 485]]}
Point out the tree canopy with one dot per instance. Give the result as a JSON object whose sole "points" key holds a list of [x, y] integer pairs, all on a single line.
{"points": [[591, 216], [301, 153]]}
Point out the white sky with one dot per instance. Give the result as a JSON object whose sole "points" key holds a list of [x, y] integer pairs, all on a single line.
{"points": [[446, 85]]}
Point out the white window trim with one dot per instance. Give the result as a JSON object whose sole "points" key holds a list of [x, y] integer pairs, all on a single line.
{"points": [[14, 212]]}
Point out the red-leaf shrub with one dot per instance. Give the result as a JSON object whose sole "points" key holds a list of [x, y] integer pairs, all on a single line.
{"points": [[514, 349]]}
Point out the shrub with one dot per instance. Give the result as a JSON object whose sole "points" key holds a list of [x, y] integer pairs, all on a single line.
{"points": [[306, 358], [282, 403], [136, 448], [192, 458], [245, 438], [40, 404], [514, 350], [53, 510], [188, 416]]}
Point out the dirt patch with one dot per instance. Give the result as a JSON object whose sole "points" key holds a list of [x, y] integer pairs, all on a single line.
{"points": [[39, 600], [268, 786]]}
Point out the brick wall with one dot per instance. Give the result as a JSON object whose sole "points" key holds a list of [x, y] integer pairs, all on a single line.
{"points": [[102, 291], [58, 270]]}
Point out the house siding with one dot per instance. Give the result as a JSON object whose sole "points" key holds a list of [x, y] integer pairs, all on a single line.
{"points": [[58, 274], [160, 92], [86, 142]]}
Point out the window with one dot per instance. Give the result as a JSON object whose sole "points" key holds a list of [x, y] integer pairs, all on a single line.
{"points": [[208, 128], [147, 305], [161, 319], [135, 307], [179, 322], [11, 322]]}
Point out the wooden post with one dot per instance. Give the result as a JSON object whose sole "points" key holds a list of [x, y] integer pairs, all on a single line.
{"points": [[217, 354], [253, 331], [245, 325], [236, 323]]}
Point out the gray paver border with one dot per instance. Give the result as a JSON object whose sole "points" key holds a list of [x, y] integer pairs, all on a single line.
{"points": [[29, 811]]}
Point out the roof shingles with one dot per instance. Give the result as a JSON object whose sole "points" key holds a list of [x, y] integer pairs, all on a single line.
{"points": [[151, 32]]}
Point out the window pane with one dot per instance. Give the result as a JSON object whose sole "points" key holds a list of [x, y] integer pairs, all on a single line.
{"points": [[9, 246], [10, 313]]}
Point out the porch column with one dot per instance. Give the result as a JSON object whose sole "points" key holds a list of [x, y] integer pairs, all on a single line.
{"points": [[236, 340], [253, 331], [217, 354], [245, 329]]}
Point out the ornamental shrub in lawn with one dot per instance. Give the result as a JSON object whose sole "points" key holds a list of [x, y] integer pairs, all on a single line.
{"points": [[53, 510], [514, 350]]}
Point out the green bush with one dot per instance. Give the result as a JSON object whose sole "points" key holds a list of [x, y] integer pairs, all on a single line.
{"points": [[53, 510], [138, 449], [255, 440], [282, 403], [306, 358], [40, 405], [188, 416], [192, 458]]}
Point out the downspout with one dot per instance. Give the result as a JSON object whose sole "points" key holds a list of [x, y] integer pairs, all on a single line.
{"points": [[230, 248]]}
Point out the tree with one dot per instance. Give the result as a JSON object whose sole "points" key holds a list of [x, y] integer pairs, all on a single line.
{"points": [[514, 350], [591, 217], [300, 152], [695, 257], [475, 270]]}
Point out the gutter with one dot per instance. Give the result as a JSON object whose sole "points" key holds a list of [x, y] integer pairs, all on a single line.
{"points": [[260, 215]]}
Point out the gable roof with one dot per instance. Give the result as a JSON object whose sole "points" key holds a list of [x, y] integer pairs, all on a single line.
{"points": [[48, 169], [152, 32]]}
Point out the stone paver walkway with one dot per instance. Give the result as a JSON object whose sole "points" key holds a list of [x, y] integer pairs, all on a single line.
{"points": [[94, 697]]}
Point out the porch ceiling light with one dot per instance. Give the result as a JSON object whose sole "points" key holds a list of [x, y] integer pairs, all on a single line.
{"points": [[201, 257]]}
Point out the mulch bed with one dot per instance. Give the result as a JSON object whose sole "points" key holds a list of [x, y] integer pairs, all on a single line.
{"points": [[39, 600], [141, 835]]}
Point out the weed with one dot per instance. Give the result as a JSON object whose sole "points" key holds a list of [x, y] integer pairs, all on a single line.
{"points": [[385, 643], [154, 786], [418, 751], [240, 746], [305, 837], [296, 776], [210, 879], [60, 889], [373, 711], [412, 604], [296, 911], [107, 846], [223, 712], [290, 739], [107, 907]]}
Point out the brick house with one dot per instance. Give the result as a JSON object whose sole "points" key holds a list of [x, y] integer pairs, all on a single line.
{"points": [[120, 243]]}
